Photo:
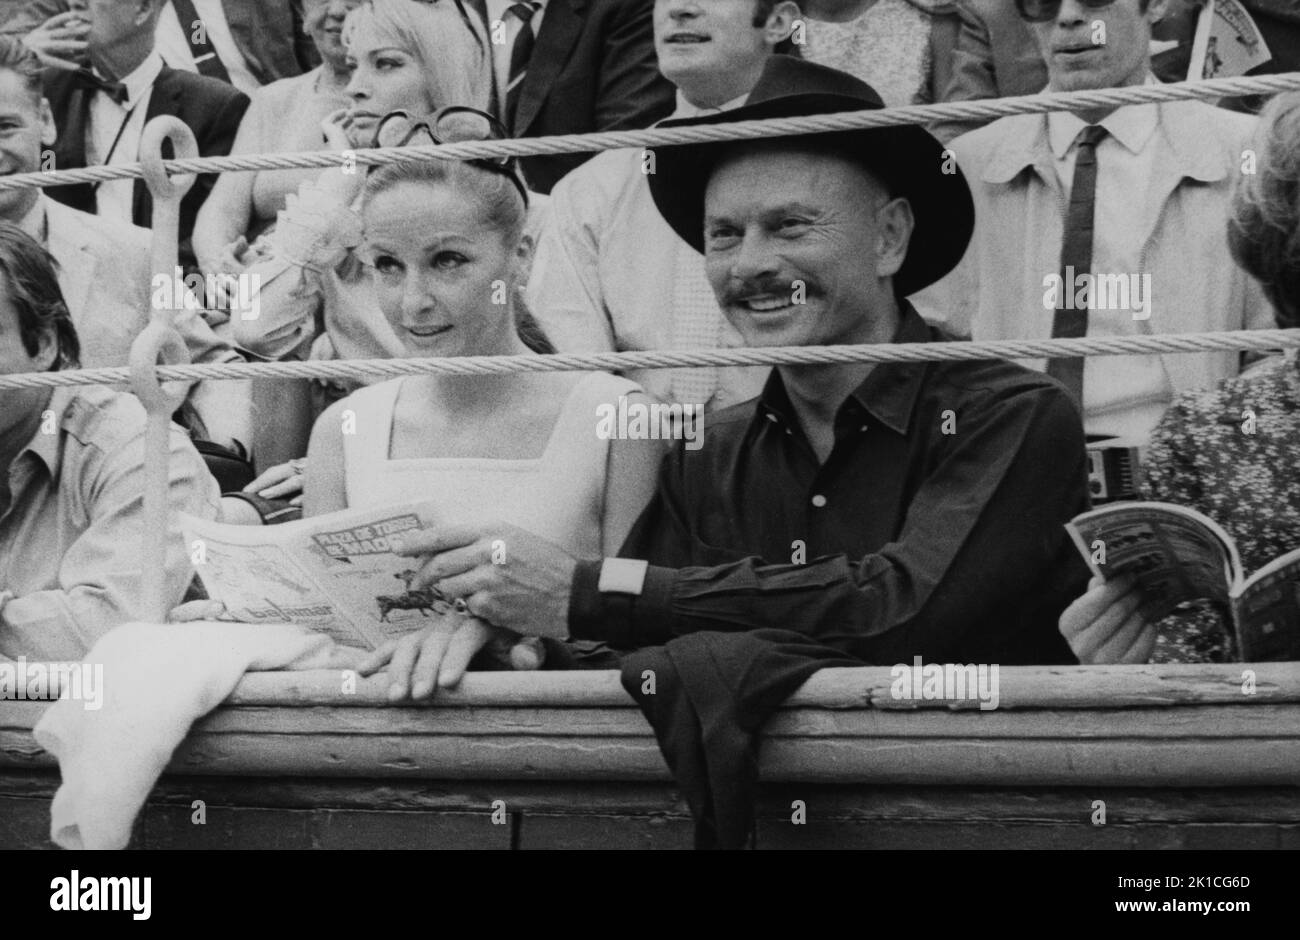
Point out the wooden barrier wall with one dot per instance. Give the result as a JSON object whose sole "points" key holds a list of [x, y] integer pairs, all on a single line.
{"points": [[1181, 756]]}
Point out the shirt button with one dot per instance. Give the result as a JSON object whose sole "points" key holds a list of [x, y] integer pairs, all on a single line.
{"points": [[819, 500], [863, 428]]}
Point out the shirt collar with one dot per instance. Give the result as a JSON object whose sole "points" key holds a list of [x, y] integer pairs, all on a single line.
{"points": [[497, 8], [887, 394], [685, 109], [49, 447], [141, 79], [1132, 126]]}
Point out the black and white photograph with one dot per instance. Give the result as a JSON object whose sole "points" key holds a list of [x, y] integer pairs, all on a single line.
{"points": [[840, 425]]}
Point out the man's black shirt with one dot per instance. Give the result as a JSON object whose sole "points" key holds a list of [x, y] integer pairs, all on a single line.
{"points": [[934, 528]]}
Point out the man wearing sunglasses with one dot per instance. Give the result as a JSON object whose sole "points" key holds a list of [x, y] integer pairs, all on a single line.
{"points": [[1109, 222]]}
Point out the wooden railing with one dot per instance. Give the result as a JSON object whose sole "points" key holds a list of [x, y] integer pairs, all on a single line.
{"points": [[1178, 755]]}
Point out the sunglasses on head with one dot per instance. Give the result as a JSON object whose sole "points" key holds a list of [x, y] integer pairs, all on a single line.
{"points": [[1041, 11], [452, 125]]}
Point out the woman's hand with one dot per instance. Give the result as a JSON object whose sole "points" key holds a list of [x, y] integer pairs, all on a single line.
{"points": [[198, 610], [1104, 626], [235, 257], [341, 131], [440, 653], [233, 260], [281, 481]]}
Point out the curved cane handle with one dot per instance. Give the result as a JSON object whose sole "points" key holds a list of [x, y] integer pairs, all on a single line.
{"points": [[162, 187], [167, 193], [159, 342]]}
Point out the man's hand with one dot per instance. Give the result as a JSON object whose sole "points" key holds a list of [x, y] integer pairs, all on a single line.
{"points": [[506, 575], [1104, 626], [60, 42]]}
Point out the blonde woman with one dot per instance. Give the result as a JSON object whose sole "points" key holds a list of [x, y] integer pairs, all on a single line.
{"points": [[402, 56]]}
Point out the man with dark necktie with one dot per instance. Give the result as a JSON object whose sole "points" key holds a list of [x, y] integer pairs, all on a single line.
{"points": [[102, 110], [1108, 222], [571, 67]]}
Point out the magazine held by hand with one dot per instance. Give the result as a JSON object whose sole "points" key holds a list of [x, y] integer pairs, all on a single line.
{"points": [[1178, 554], [333, 573]]}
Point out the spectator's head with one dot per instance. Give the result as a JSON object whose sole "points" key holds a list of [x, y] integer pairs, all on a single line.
{"points": [[1264, 227], [121, 33], [445, 244], [714, 50], [36, 331], [26, 124], [322, 20], [811, 240], [1093, 44], [415, 57], [800, 241]]}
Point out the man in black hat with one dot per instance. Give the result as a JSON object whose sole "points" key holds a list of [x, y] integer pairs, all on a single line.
{"points": [[853, 513]]}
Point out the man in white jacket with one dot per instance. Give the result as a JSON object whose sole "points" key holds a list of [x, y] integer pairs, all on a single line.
{"points": [[104, 268], [1129, 240]]}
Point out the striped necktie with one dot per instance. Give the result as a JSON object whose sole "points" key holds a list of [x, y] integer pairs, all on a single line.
{"points": [[1076, 258], [520, 53]]}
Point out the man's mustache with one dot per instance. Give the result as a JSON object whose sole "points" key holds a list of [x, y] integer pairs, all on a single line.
{"points": [[770, 287]]}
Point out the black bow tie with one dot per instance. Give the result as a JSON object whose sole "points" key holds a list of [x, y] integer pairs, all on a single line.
{"points": [[85, 78]]}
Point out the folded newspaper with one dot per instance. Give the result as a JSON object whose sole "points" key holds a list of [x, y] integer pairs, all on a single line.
{"points": [[333, 573], [1178, 554]]}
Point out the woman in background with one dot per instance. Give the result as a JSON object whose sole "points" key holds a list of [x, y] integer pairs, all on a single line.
{"points": [[401, 55], [283, 116], [1201, 454], [886, 43]]}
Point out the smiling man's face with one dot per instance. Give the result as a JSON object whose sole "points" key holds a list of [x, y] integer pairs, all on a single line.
{"points": [[25, 121], [705, 42], [1104, 47], [800, 247]]}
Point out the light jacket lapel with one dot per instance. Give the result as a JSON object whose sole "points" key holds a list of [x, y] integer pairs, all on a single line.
{"points": [[65, 239], [560, 29], [1182, 137]]}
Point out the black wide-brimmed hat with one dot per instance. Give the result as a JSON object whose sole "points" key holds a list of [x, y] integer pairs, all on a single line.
{"points": [[907, 158]]}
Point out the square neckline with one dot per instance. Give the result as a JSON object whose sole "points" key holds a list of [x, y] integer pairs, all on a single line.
{"points": [[518, 461]]}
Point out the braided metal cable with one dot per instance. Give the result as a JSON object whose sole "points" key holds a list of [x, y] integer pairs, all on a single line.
{"points": [[1242, 340], [666, 136]]}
